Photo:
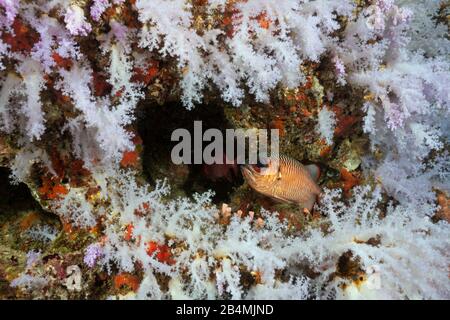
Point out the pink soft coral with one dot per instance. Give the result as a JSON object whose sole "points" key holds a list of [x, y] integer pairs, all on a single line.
{"points": [[76, 22], [98, 7], [11, 7]]}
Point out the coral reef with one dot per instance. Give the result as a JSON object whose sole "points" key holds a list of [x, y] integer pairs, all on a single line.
{"points": [[92, 207]]}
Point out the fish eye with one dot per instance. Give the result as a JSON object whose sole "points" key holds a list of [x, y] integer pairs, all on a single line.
{"points": [[261, 164]]}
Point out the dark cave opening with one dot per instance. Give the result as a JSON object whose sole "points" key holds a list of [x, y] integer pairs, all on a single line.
{"points": [[15, 197], [155, 126]]}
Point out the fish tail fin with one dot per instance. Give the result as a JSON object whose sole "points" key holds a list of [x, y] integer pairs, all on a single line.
{"points": [[309, 204], [314, 171]]}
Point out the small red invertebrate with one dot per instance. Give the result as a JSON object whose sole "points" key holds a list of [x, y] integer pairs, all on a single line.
{"points": [[344, 122], [128, 232], [163, 253], [349, 180], [146, 75], [278, 124], [61, 62], [101, 86], [325, 152], [23, 38], [52, 188], [126, 279], [263, 21], [143, 209], [130, 159]]}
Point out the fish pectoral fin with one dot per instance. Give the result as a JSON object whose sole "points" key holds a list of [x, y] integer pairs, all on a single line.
{"points": [[314, 171], [282, 199]]}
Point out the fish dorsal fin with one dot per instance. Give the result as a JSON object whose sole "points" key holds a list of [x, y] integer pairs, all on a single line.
{"points": [[314, 171]]}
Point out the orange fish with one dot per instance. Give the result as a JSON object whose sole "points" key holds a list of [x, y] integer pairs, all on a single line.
{"points": [[285, 180]]}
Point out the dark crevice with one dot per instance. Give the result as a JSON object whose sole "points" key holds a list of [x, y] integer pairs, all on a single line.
{"points": [[156, 124], [14, 197]]}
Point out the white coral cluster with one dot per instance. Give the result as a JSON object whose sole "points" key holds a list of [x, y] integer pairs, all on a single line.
{"points": [[401, 254]]}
